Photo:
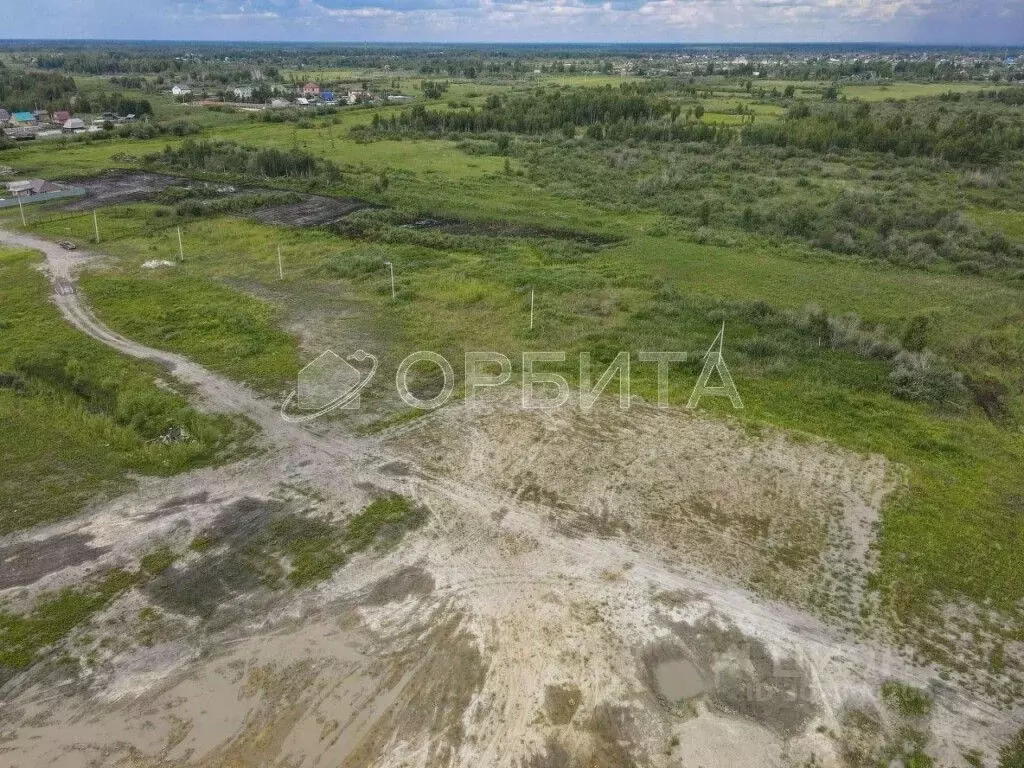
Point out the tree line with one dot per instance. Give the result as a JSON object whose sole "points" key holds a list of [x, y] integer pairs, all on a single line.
{"points": [[21, 90], [968, 135], [960, 137], [237, 159]]}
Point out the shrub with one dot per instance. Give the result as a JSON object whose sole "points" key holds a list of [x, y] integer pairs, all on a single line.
{"points": [[906, 699], [922, 377]]}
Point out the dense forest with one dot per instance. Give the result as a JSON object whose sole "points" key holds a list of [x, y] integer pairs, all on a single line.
{"points": [[21, 90], [966, 132]]}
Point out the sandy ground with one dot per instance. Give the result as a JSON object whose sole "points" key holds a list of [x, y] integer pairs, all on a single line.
{"points": [[649, 588]]}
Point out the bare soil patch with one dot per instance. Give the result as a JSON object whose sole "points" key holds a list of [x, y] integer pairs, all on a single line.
{"points": [[26, 562], [312, 211], [122, 187]]}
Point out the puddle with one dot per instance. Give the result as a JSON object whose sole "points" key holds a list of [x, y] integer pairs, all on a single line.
{"points": [[678, 680]]}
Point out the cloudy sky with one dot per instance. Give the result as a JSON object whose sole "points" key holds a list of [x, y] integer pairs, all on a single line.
{"points": [[998, 22]]}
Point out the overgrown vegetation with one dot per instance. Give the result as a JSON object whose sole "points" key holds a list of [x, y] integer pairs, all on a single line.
{"points": [[907, 700], [860, 237], [383, 523], [228, 158], [59, 387], [27, 90], [217, 326]]}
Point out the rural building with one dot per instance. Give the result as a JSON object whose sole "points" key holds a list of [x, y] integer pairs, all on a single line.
{"points": [[29, 187], [5, 117], [310, 89], [327, 97], [61, 116], [181, 90], [20, 133], [243, 92], [359, 97], [73, 124], [23, 118], [277, 103], [41, 116]]}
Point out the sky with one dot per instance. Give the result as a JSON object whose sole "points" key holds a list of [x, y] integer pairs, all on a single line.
{"points": [[996, 22]]}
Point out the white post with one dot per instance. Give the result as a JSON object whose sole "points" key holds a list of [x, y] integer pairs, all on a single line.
{"points": [[531, 309], [96, 225], [181, 248], [280, 267], [22, 210], [392, 268]]}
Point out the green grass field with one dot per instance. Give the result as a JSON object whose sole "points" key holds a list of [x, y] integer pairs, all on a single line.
{"points": [[675, 270], [903, 90], [60, 388]]}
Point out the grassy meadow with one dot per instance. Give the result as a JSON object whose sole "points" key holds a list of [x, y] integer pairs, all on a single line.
{"points": [[871, 297], [77, 420]]}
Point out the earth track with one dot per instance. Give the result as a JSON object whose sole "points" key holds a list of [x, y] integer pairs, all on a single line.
{"points": [[507, 596]]}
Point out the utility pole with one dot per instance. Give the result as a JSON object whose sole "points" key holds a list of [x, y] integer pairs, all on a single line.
{"points": [[96, 225], [21, 209], [531, 308], [392, 268], [181, 248], [280, 267]]}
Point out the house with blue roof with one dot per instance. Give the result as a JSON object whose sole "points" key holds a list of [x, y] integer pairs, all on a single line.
{"points": [[23, 117], [327, 97]]}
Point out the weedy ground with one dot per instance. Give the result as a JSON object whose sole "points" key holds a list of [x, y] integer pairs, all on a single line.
{"points": [[626, 246]]}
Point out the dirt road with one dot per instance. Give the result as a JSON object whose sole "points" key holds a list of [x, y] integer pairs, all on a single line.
{"points": [[575, 569]]}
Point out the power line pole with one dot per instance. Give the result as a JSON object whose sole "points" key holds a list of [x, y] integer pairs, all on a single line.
{"points": [[280, 267], [531, 308], [392, 268], [21, 209], [181, 248], [96, 225]]}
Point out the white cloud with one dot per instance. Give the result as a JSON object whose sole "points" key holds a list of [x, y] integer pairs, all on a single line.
{"points": [[997, 21]]}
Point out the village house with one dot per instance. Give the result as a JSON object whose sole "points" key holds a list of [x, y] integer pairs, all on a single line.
{"points": [[5, 117], [29, 187], [243, 93], [23, 118], [180, 90], [61, 116], [359, 97], [74, 125], [311, 90]]}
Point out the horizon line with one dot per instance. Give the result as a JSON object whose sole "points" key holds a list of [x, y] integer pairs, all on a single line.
{"points": [[212, 41]]}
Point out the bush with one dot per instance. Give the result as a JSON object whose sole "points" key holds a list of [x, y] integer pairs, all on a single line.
{"points": [[906, 699], [230, 158], [922, 377]]}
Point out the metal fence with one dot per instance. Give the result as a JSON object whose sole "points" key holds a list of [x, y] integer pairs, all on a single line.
{"points": [[43, 197]]}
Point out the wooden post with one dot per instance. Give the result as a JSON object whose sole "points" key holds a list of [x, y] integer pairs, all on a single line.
{"points": [[531, 309], [21, 209], [181, 248], [96, 225], [280, 267]]}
